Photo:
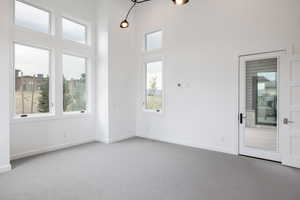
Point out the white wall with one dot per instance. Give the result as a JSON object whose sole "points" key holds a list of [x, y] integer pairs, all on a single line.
{"points": [[116, 72], [31, 136], [201, 44], [114, 79], [102, 85], [4, 82]]}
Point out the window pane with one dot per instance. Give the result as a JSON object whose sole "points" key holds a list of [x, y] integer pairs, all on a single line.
{"points": [[31, 80], [266, 98], [154, 86], [33, 18], [261, 104], [74, 83], [153, 40], [74, 31]]}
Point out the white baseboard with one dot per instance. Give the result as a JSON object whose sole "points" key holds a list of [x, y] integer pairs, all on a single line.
{"points": [[5, 168], [63, 146], [291, 162], [209, 148], [119, 139], [49, 149], [105, 141]]}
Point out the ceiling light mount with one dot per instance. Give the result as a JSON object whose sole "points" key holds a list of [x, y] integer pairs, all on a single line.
{"points": [[139, 1], [125, 23]]}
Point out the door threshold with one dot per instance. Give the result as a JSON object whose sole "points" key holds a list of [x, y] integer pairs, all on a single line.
{"points": [[241, 155]]}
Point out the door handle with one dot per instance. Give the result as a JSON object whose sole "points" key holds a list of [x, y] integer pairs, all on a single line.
{"points": [[242, 117], [287, 121]]}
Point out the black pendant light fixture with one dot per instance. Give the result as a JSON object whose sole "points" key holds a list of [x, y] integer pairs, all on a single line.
{"points": [[125, 23]]}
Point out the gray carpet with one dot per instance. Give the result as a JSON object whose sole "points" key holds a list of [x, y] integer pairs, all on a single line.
{"points": [[139, 169]]}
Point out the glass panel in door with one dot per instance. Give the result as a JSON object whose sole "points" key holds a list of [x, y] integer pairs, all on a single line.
{"points": [[261, 104]]}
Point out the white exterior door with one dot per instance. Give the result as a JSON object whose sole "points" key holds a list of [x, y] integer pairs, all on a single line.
{"points": [[260, 105], [290, 119]]}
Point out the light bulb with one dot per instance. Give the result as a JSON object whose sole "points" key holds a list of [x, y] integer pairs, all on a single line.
{"points": [[180, 2], [124, 24]]}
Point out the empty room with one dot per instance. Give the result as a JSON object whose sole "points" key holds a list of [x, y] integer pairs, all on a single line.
{"points": [[150, 100]]}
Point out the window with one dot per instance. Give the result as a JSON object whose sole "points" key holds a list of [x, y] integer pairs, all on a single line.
{"points": [[154, 86], [153, 40], [261, 92], [35, 84], [266, 98], [31, 80], [74, 84], [153, 76], [31, 17], [74, 31]]}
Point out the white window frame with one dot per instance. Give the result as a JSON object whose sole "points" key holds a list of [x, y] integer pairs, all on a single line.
{"points": [[79, 22], [146, 62], [50, 30], [51, 84], [87, 86], [145, 41], [57, 46], [149, 56]]}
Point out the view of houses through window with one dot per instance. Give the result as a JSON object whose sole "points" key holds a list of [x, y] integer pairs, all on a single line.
{"points": [[266, 108], [32, 65], [31, 80], [261, 92], [74, 84]]}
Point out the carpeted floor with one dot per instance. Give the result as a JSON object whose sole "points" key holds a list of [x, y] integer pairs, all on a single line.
{"points": [[139, 169]]}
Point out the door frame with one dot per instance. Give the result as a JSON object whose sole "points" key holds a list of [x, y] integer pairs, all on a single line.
{"points": [[248, 151], [288, 158]]}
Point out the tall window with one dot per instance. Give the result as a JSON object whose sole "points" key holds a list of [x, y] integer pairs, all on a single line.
{"points": [[153, 72], [31, 80], [74, 31], [35, 83], [74, 84], [154, 86], [31, 17]]}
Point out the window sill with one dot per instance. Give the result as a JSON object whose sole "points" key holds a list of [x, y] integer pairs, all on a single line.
{"points": [[48, 117], [74, 114], [161, 112]]}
